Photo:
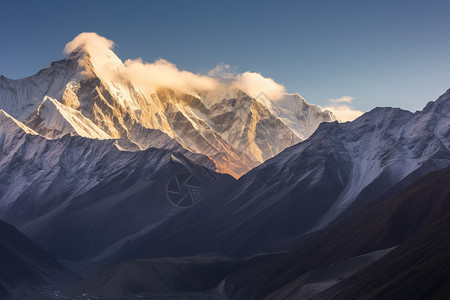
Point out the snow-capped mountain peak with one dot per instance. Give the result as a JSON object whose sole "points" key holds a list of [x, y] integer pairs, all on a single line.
{"points": [[90, 94], [303, 118], [95, 53]]}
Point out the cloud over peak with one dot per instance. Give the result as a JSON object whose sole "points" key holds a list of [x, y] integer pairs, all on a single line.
{"points": [[254, 83], [90, 41], [342, 110], [164, 74], [99, 48], [161, 73]]}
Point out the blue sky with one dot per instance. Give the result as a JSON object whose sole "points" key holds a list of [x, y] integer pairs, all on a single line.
{"points": [[381, 53]]}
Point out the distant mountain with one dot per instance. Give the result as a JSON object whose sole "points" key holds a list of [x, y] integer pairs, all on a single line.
{"points": [[297, 114], [341, 167], [233, 129], [23, 263], [416, 221]]}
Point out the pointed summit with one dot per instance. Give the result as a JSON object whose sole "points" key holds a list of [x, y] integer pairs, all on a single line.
{"points": [[92, 93], [11, 125], [53, 119], [95, 54]]}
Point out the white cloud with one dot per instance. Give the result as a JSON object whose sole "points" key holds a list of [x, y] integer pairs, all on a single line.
{"points": [[222, 70], [343, 99], [100, 50], [164, 74], [254, 83], [343, 112], [250, 82], [90, 41]]}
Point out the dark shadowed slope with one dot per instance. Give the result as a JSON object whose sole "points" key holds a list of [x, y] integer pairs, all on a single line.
{"points": [[418, 213], [338, 169], [78, 197], [419, 268], [162, 276], [23, 262]]}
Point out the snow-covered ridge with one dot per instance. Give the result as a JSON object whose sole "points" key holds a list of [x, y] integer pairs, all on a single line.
{"points": [[303, 118], [89, 94], [85, 186], [9, 125], [340, 168], [116, 178], [21, 97], [61, 119], [383, 144]]}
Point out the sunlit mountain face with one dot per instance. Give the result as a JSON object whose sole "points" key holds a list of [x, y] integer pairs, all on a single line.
{"points": [[93, 94], [133, 179]]}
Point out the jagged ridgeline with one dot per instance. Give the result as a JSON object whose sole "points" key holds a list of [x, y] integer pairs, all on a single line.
{"points": [[92, 94]]}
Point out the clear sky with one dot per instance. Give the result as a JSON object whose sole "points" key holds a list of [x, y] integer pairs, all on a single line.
{"points": [[381, 53]]}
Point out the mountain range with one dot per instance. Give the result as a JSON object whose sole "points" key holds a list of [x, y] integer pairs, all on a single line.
{"points": [[415, 222], [248, 196], [67, 138], [233, 129], [340, 168]]}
